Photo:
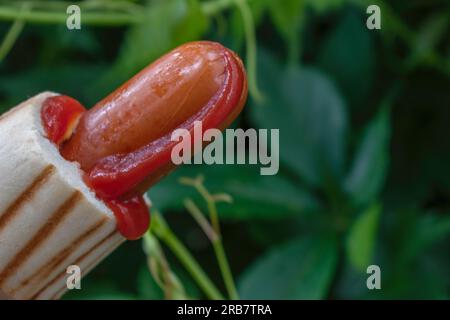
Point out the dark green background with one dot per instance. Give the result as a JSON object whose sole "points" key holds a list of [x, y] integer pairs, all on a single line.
{"points": [[364, 119]]}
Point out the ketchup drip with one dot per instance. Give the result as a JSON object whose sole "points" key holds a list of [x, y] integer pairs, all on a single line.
{"points": [[59, 115], [132, 216]]}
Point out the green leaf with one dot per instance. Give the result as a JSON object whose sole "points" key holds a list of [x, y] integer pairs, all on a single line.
{"points": [[287, 16], [322, 6], [193, 24], [258, 9], [70, 43], [98, 290], [147, 286], [428, 37], [148, 40], [415, 246], [300, 269], [312, 118], [322, 119], [64, 79], [361, 239], [428, 229], [255, 196], [348, 56], [431, 229], [351, 283], [369, 169], [167, 24]]}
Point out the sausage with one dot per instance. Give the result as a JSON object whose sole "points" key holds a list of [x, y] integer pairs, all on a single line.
{"points": [[123, 142]]}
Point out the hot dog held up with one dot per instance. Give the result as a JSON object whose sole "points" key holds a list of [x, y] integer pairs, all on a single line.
{"points": [[73, 178]]}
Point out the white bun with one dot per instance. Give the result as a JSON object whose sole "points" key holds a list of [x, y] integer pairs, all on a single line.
{"points": [[49, 219]]}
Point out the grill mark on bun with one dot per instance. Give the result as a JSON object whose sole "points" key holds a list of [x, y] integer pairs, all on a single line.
{"points": [[100, 257], [41, 235], [88, 268], [44, 271], [78, 262], [26, 196]]}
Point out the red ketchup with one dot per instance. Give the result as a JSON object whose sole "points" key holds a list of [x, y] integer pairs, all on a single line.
{"points": [[59, 116], [123, 144]]}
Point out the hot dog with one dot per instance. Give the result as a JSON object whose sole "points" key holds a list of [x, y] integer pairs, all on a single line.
{"points": [[74, 179]]}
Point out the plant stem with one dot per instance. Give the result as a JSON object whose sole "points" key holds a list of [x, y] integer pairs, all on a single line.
{"points": [[166, 235], [201, 220], [220, 251], [56, 17], [48, 12], [216, 240], [212, 209], [211, 8], [225, 268], [214, 235], [251, 59], [11, 37]]}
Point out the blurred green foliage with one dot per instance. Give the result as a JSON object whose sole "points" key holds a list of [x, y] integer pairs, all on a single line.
{"points": [[363, 118]]}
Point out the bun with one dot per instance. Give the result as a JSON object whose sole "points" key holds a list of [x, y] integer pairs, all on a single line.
{"points": [[49, 219]]}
